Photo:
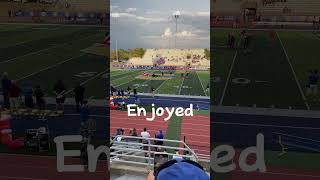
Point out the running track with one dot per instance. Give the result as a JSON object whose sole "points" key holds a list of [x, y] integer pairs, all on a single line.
{"points": [[196, 129], [120, 119], [168, 101], [25, 167]]}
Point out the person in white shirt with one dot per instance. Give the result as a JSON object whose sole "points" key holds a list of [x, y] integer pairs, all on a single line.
{"points": [[145, 134]]}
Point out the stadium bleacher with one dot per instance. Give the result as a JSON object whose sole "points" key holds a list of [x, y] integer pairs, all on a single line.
{"points": [[55, 11], [230, 13], [296, 7], [173, 57]]}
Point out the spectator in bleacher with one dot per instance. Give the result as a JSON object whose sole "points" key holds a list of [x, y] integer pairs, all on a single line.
{"points": [[145, 135], [6, 84], [38, 93], [133, 132], [15, 94], [177, 156], [159, 135], [79, 95], [84, 111], [27, 93], [59, 90]]}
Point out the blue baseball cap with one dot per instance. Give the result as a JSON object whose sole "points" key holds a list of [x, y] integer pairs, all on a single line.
{"points": [[182, 171]]}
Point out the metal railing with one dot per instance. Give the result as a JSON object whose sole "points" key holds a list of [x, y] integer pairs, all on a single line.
{"points": [[140, 151]]}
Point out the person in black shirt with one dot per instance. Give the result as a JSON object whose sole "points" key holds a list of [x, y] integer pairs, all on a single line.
{"points": [[38, 93], [79, 95], [128, 90], [59, 89], [135, 92], [122, 92]]}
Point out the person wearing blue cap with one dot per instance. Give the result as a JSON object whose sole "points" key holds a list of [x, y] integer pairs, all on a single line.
{"points": [[179, 170]]}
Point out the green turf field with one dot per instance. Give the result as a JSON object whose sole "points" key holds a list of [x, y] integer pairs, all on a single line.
{"points": [[42, 54], [273, 74], [193, 85]]}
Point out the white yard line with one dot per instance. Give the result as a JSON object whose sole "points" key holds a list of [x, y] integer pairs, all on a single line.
{"points": [[294, 74], [181, 86], [127, 81], [86, 81], [229, 74], [160, 85], [41, 50], [201, 84], [28, 54], [49, 67], [19, 43]]}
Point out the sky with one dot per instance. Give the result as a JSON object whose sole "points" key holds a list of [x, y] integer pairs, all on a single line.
{"points": [[150, 23]]}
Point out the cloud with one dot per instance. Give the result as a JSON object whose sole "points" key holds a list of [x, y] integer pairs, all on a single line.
{"points": [[167, 33], [136, 17], [196, 14], [112, 8], [130, 10], [186, 34]]}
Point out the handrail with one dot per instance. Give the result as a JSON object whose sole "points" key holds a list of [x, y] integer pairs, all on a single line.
{"points": [[127, 149]]}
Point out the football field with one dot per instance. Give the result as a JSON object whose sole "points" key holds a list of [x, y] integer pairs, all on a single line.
{"points": [[193, 85], [273, 74], [43, 54]]}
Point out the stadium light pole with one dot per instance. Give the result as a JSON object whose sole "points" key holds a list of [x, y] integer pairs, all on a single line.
{"points": [[176, 16], [116, 16]]}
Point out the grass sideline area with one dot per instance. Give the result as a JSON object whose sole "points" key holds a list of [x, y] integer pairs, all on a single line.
{"points": [[42, 54]]}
